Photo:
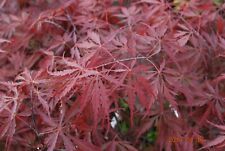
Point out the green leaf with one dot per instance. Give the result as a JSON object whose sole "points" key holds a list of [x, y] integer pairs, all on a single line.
{"points": [[166, 105], [151, 136], [218, 2], [123, 127], [123, 104]]}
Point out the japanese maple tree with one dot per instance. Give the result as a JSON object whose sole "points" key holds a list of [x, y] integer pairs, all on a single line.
{"points": [[112, 75]]}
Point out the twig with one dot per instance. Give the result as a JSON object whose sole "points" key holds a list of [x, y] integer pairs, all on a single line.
{"points": [[128, 59]]}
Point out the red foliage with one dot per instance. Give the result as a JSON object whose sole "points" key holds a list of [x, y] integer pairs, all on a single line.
{"points": [[65, 65]]}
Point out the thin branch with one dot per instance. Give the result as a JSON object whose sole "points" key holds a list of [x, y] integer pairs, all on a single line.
{"points": [[128, 59]]}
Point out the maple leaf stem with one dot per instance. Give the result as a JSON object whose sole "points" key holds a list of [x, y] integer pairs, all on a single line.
{"points": [[54, 23], [127, 59]]}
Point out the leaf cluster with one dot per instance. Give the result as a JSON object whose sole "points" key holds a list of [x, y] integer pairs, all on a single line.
{"points": [[112, 75]]}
